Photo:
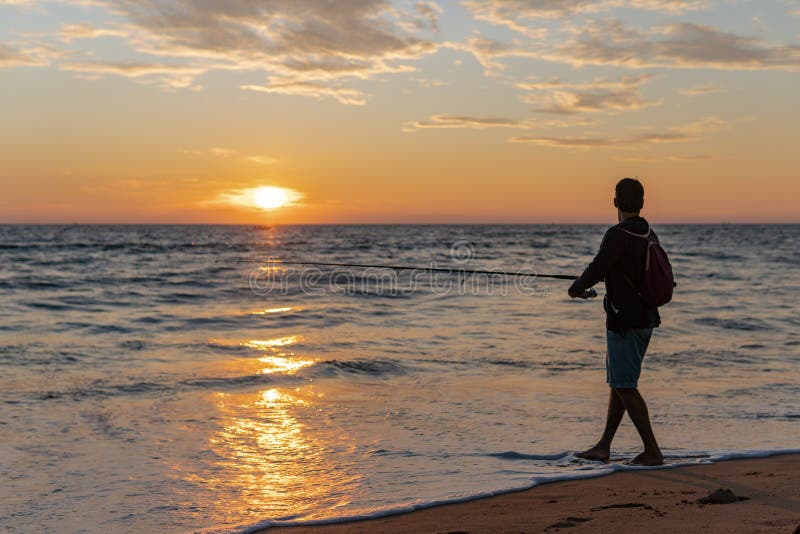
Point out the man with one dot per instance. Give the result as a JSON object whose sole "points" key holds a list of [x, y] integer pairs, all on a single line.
{"points": [[629, 322]]}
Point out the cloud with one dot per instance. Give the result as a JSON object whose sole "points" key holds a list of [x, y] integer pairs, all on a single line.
{"points": [[429, 11], [166, 75], [225, 152], [603, 142], [222, 152], [519, 14], [431, 82], [704, 89], [33, 57], [35, 4], [261, 160], [316, 90], [677, 134], [566, 142], [512, 13], [486, 51], [693, 157], [675, 7], [681, 45], [705, 125], [10, 57], [131, 69], [609, 42], [71, 32], [310, 48], [564, 98], [645, 159], [463, 121]]}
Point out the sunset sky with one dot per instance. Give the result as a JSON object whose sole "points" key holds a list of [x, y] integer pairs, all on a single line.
{"points": [[160, 111]]}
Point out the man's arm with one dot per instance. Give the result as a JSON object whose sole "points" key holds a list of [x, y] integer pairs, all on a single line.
{"points": [[607, 256]]}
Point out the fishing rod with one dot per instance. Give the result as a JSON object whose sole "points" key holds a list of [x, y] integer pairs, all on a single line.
{"points": [[448, 270], [588, 294]]}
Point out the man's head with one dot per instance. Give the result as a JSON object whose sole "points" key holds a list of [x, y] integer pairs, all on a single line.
{"points": [[629, 196]]}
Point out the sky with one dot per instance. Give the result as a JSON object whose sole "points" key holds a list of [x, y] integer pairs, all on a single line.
{"points": [[374, 111]]}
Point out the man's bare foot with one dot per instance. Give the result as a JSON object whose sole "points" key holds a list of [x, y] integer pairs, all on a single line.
{"points": [[649, 458], [596, 454]]}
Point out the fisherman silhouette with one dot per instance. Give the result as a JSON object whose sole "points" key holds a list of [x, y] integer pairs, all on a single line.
{"points": [[630, 321]]}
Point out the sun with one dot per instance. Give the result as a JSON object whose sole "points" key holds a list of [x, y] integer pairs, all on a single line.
{"points": [[266, 197], [270, 198]]}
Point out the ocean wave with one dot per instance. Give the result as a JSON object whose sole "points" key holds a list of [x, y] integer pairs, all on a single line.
{"points": [[386, 452], [38, 285], [580, 469], [371, 368], [513, 455], [39, 355], [92, 328], [52, 306], [746, 324], [322, 369], [791, 389], [133, 344], [132, 247], [103, 388], [506, 362], [712, 255], [696, 357]]}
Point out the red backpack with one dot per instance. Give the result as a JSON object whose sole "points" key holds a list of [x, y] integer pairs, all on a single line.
{"points": [[658, 280]]}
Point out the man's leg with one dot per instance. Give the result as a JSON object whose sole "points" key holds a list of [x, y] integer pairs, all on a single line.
{"points": [[602, 451], [637, 410]]}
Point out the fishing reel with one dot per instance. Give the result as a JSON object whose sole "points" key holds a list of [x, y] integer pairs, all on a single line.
{"points": [[588, 294]]}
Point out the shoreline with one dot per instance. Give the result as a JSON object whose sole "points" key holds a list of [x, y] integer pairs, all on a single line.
{"points": [[660, 499]]}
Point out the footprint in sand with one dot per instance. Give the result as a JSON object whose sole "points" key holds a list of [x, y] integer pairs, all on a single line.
{"points": [[622, 505], [569, 522]]}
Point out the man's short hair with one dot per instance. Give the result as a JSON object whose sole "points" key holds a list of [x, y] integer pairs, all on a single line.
{"points": [[630, 195]]}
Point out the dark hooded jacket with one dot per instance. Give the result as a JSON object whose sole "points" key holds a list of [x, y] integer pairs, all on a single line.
{"points": [[620, 262]]}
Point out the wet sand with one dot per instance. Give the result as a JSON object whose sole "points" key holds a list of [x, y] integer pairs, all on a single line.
{"points": [[650, 501]]}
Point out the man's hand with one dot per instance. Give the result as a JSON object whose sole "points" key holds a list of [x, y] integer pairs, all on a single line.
{"points": [[585, 294]]}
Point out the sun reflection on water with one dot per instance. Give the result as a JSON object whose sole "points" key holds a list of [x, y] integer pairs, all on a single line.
{"points": [[267, 464], [271, 311], [278, 362], [281, 364], [270, 343], [271, 453]]}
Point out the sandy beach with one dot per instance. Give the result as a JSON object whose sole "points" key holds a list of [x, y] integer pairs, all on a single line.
{"points": [[664, 500]]}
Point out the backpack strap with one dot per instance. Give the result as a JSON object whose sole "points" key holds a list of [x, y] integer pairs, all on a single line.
{"points": [[646, 236], [650, 242]]}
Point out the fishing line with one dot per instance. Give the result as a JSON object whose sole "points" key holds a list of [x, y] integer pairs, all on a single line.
{"points": [[589, 293]]}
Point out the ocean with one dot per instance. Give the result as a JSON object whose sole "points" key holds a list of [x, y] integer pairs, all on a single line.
{"points": [[162, 378]]}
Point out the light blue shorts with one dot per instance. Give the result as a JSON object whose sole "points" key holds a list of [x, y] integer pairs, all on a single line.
{"points": [[626, 351]]}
